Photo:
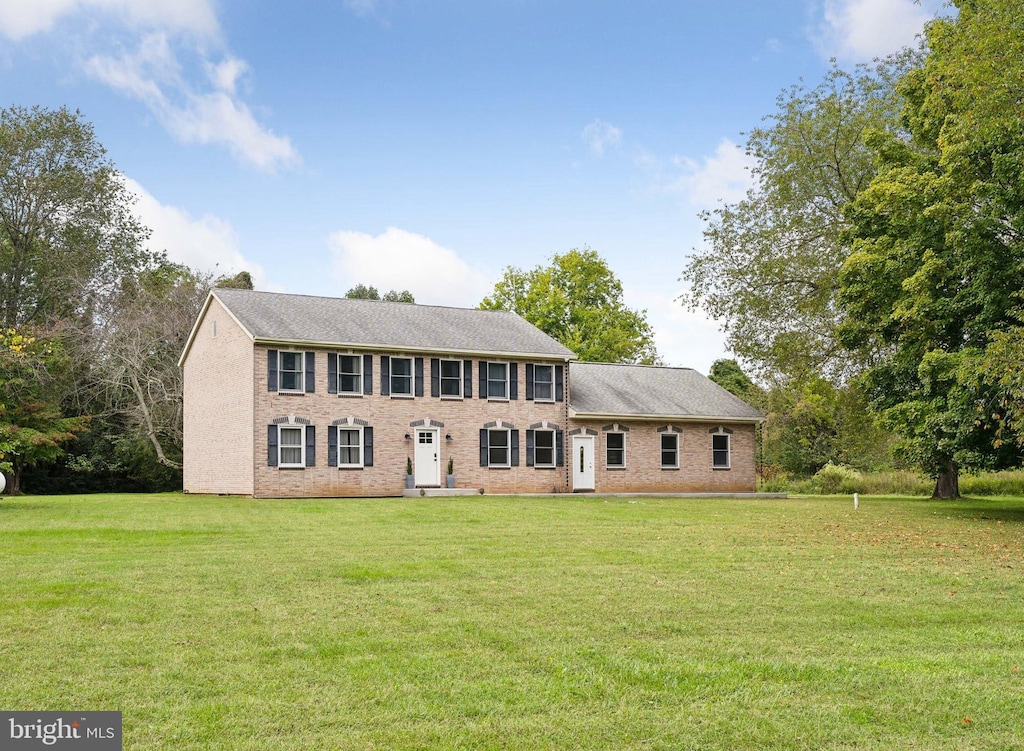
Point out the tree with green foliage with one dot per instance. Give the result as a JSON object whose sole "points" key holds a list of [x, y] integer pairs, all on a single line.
{"points": [[241, 280], [769, 269], [67, 232], [937, 242], [578, 301], [729, 375], [362, 292], [32, 428]]}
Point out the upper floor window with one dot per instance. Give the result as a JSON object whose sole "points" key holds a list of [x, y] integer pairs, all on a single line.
{"points": [[291, 369], [401, 376], [544, 383], [497, 380], [350, 374], [451, 378]]}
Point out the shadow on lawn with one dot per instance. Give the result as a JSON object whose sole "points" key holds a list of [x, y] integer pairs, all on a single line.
{"points": [[985, 509]]}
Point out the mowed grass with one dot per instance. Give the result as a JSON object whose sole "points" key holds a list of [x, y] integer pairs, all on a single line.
{"points": [[519, 623]]}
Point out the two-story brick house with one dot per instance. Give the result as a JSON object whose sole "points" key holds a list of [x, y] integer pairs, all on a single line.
{"points": [[292, 396]]}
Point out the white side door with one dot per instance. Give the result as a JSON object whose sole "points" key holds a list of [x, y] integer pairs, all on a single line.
{"points": [[427, 469], [583, 462]]}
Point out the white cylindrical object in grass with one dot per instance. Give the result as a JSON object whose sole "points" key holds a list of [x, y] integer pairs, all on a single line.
{"points": [[856, 501]]}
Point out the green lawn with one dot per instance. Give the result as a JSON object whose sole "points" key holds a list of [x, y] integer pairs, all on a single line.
{"points": [[558, 623]]}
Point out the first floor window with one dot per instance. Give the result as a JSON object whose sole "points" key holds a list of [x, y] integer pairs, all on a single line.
{"points": [[669, 450], [544, 448], [350, 374], [615, 447], [497, 380], [720, 450], [451, 377], [291, 445], [401, 375], [498, 448], [544, 383], [290, 370], [350, 447]]}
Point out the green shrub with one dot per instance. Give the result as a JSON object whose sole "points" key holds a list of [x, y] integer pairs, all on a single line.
{"points": [[836, 478], [1007, 482]]}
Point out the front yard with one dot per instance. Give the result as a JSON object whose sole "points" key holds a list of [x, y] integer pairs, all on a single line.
{"points": [[519, 623]]}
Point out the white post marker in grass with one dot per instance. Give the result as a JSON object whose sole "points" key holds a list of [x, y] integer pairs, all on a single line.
{"points": [[856, 501], [3, 482]]}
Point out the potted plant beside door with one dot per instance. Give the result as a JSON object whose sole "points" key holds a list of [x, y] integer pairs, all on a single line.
{"points": [[408, 473], [450, 479]]}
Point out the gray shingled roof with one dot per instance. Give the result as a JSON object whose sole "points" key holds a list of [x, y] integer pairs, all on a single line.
{"points": [[302, 319], [603, 389]]}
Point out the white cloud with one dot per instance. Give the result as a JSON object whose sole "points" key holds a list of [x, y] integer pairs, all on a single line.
{"points": [[724, 176], [400, 260], [864, 29], [600, 135], [684, 338], [208, 243], [23, 18], [153, 76]]}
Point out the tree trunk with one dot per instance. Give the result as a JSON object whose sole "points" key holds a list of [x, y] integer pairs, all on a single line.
{"points": [[947, 484]]}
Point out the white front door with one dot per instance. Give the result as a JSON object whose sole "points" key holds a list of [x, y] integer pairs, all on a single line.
{"points": [[427, 471], [583, 462]]}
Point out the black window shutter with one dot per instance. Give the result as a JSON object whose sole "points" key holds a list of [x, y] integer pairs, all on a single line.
{"points": [[559, 386], [483, 447], [367, 374], [515, 447], [418, 363], [367, 447], [529, 384], [272, 370], [310, 372], [332, 445], [310, 446], [513, 380], [332, 373], [271, 445], [530, 446], [435, 376], [467, 379], [559, 447], [483, 379], [385, 375]]}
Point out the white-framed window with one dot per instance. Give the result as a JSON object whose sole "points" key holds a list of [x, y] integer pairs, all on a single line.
{"points": [[720, 450], [544, 448], [544, 383], [451, 379], [290, 371], [350, 446], [497, 380], [291, 445], [669, 451], [615, 449], [499, 448], [401, 376], [350, 374]]}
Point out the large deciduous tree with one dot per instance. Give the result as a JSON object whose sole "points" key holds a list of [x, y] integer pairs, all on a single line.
{"points": [[578, 301], [769, 269], [937, 262], [66, 227]]}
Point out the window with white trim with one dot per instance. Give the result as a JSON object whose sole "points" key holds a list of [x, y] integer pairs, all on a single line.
{"points": [[497, 380], [544, 448], [291, 445], [669, 451], [615, 449], [350, 446], [451, 378], [720, 450], [499, 446], [350, 374], [290, 371], [401, 376], [544, 383]]}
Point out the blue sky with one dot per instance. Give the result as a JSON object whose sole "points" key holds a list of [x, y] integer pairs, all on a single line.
{"points": [[426, 145]]}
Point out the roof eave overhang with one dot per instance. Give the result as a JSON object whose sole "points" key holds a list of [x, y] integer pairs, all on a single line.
{"points": [[664, 418], [362, 347]]}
